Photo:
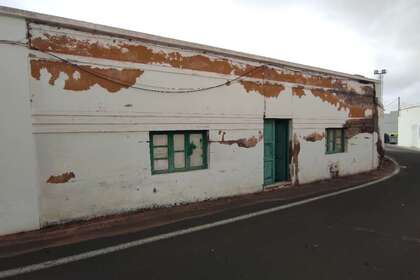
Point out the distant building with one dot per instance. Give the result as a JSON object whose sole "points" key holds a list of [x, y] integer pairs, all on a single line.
{"points": [[409, 127], [98, 120], [391, 127]]}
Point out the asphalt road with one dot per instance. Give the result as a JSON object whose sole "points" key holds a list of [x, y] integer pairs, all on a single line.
{"points": [[371, 233]]}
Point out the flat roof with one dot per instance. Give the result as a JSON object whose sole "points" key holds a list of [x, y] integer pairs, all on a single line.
{"points": [[113, 31]]}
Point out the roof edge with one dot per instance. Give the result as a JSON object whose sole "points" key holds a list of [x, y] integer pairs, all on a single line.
{"points": [[109, 30]]}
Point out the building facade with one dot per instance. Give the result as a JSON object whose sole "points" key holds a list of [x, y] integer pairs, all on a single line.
{"points": [[391, 127], [100, 120]]}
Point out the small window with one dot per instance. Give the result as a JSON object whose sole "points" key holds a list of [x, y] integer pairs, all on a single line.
{"points": [[335, 140], [175, 151]]}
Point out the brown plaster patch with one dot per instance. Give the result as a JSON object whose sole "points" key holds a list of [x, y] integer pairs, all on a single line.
{"points": [[266, 89], [79, 78], [242, 142], [357, 126], [298, 91], [356, 104], [60, 179], [315, 136], [134, 51]]}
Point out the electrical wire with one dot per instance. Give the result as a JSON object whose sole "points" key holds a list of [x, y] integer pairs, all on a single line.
{"points": [[18, 43], [409, 106], [391, 102], [122, 83]]}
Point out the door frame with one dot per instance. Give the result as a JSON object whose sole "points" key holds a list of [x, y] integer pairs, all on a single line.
{"points": [[276, 121]]}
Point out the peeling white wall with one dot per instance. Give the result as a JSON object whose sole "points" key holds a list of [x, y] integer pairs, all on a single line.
{"points": [[18, 168], [113, 174], [102, 137]]}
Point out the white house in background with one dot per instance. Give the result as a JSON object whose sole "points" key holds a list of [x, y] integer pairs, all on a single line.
{"points": [[98, 120], [409, 127], [391, 126]]}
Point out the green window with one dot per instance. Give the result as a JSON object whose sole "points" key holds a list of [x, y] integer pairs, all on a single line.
{"points": [[175, 151], [335, 140]]}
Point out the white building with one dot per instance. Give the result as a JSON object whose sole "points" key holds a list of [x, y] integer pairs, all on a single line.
{"points": [[409, 127], [391, 122], [391, 126], [97, 120]]}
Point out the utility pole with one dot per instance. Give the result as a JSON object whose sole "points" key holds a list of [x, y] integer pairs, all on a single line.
{"points": [[399, 106]]}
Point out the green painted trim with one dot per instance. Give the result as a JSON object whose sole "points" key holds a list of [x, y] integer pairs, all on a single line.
{"points": [[171, 151]]}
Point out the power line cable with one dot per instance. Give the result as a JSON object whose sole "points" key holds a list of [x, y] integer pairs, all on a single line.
{"points": [[391, 102], [122, 83]]}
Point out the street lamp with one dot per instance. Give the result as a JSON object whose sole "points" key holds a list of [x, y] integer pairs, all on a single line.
{"points": [[376, 72], [381, 78]]}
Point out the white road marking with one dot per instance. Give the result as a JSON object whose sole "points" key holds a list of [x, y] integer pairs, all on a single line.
{"points": [[111, 249]]}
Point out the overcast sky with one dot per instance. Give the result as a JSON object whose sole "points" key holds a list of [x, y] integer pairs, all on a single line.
{"points": [[353, 36]]}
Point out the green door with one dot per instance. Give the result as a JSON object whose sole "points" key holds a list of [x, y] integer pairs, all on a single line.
{"points": [[269, 142], [276, 140]]}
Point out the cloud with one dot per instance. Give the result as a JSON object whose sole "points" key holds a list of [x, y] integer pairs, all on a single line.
{"points": [[388, 27]]}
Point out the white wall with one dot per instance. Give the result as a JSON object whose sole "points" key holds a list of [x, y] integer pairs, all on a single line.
{"points": [[409, 127], [18, 169]]}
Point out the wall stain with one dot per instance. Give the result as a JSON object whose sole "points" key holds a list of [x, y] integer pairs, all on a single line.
{"points": [[315, 136], [368, 90], [266, 89], [379, 145], [60, 179], [298, 91], [242, 142], [295, 158], [334, 170], [136, 52], [381, 151], [357, 126], [79, 79]]}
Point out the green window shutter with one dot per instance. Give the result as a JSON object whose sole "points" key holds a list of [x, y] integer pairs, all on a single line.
{"points": [[176, 151], [335, 142]]}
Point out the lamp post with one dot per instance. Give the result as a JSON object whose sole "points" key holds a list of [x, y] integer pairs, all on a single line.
{"points": [[381, 74]]}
